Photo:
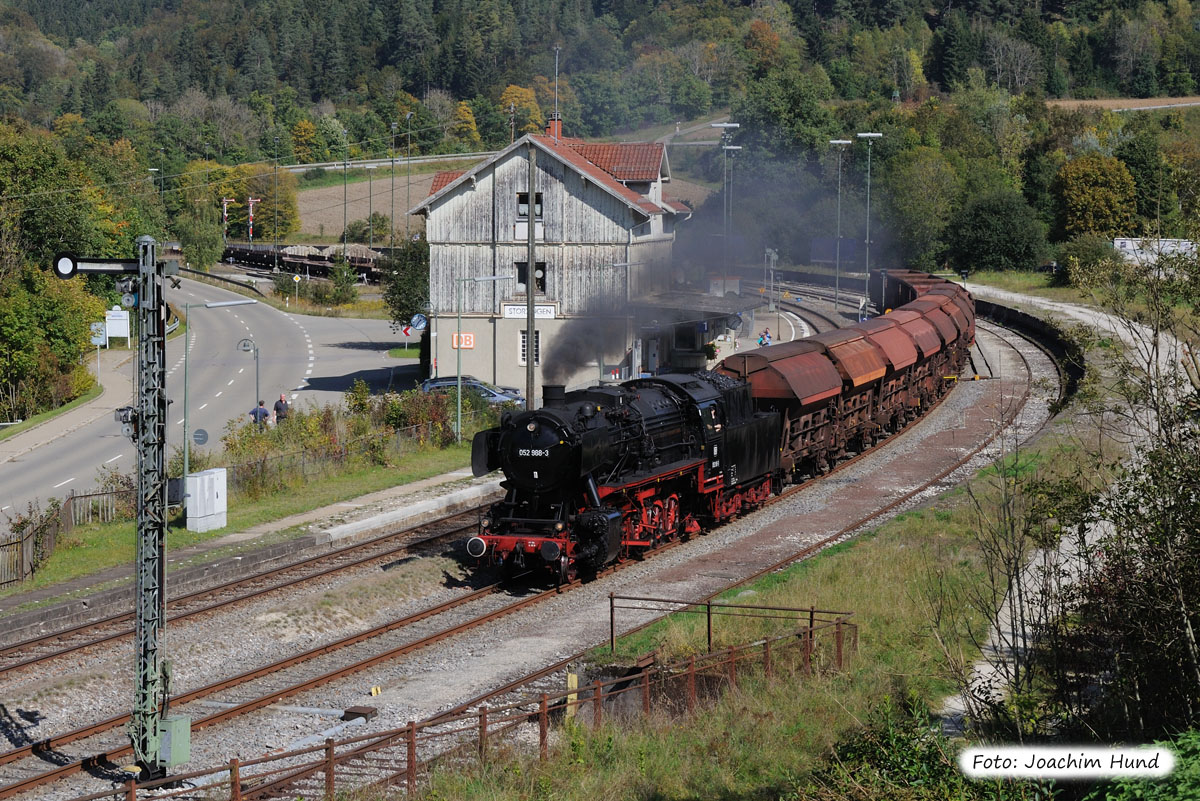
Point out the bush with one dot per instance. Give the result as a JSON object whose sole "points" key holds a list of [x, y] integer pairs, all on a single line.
{"points": [[1088, 250]]}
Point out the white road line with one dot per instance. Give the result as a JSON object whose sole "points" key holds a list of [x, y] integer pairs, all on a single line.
{"points": [[68, 481], [115, 458], [218, 394], [308, 372], [202, 407], [230, 384], [179, 422], [240, 370], [2, 508]]}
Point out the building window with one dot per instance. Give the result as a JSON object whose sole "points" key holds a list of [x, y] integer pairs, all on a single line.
{"points": [[539, 276], [537, 348], [523, 205]]}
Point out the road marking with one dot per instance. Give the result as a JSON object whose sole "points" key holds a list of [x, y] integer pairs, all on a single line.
{"points": [[68, 481], [218, 394], [308, 372], [115, 458], [240, 370], [230, 383], [2, 508], [179, 422], [202, 408]]}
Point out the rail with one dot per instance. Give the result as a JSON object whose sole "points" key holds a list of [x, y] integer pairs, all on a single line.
{"points": [[399, 757], [215, 277]]}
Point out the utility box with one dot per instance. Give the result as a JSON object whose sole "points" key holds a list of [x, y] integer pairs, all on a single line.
{"points": [[206, 500], [175, 740]]}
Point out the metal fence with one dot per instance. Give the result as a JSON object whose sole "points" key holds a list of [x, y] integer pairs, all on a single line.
{"points": [[23, 552], [400, 757]]}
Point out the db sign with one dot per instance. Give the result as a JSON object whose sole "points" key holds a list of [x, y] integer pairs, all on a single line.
{"points": [[464, 341]]}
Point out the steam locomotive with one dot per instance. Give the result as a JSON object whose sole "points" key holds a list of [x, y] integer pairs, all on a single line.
{"points": [[603, 473]]}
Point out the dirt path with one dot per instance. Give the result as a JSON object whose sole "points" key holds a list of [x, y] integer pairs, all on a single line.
{"points": [[1129, 103]]}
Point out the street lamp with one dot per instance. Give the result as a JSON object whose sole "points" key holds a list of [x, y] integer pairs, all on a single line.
{"points": [[837, 274], [370, 204], [154, 177], [458, 282], [187, 347], [345, 222], [408, 179], [162, 175], [727, 129], [392, 156], [275, 251], [871, 136], [248, 345]]}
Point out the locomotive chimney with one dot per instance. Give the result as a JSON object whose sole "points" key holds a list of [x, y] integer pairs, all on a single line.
{"points": [[554, 395]]}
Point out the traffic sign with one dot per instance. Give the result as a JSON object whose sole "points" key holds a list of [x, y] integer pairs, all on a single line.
{"points": [[199, 436], [419, 321], [296, 278], [407, 330]]}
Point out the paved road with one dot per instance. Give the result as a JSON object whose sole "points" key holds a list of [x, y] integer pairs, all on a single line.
{"points": [[313, 360]]}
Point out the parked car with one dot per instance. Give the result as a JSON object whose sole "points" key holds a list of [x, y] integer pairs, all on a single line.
{"points": [[491, 393]]}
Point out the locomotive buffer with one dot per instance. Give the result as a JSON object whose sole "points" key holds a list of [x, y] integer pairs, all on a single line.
{"points": [[158, 741]]}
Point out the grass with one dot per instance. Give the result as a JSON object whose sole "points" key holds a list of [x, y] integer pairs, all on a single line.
{"points": [[333, 177], [93, 548], [1030, 283], [406, 352], [25, 425], [761, 740]]}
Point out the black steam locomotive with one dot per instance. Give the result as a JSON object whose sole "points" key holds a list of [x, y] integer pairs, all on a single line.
{"points": [[612, 469]]}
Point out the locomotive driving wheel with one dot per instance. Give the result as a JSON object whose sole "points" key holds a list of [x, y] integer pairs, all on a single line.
{"points": [[670, 517]]}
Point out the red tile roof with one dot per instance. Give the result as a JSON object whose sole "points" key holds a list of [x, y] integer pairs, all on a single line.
{"points": [[569, 151], [605, 164], [626, 161], [677, 205], [444, 179]]}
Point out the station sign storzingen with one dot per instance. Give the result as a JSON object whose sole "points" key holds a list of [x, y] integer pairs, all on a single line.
{"points": [[517, 311]]}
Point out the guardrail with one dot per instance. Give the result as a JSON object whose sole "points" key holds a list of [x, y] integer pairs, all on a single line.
{"points": [[216, 277]]}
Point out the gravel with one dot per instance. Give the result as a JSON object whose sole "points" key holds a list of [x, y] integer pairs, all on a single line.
{"points": [[91, 686]]}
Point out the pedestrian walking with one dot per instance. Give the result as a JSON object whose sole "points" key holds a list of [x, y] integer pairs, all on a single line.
{"points": [[281, 409], [259, 414]]}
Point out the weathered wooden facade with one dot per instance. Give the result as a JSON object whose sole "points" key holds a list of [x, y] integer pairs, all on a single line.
{"points": [[603, 237]]}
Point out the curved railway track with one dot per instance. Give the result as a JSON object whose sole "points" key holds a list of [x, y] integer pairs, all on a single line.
{"points": [[101, 755]]}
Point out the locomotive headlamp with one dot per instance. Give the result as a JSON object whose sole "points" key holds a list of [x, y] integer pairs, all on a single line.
{"points": [[531, 427], [485, 522], [559, 526]]}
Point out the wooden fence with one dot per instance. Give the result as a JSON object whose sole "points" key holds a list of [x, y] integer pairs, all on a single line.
{"points": [[399, 757]]}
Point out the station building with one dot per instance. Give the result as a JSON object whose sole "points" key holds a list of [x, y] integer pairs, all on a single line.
{"points": [[608, 303]]}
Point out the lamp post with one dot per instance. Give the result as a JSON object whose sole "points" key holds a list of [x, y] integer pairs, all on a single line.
{"points": [[187, 348], [871, 136], [408, 179], [248, 345], [162, 177], [345, 222], [727, 129], [392, 157], [154, 177], [370, 204], [837, 270], [458, 283], [275, 251]]}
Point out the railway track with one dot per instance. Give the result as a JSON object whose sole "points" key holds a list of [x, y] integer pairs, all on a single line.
{"points": [[38, 651], [101, 755]]}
